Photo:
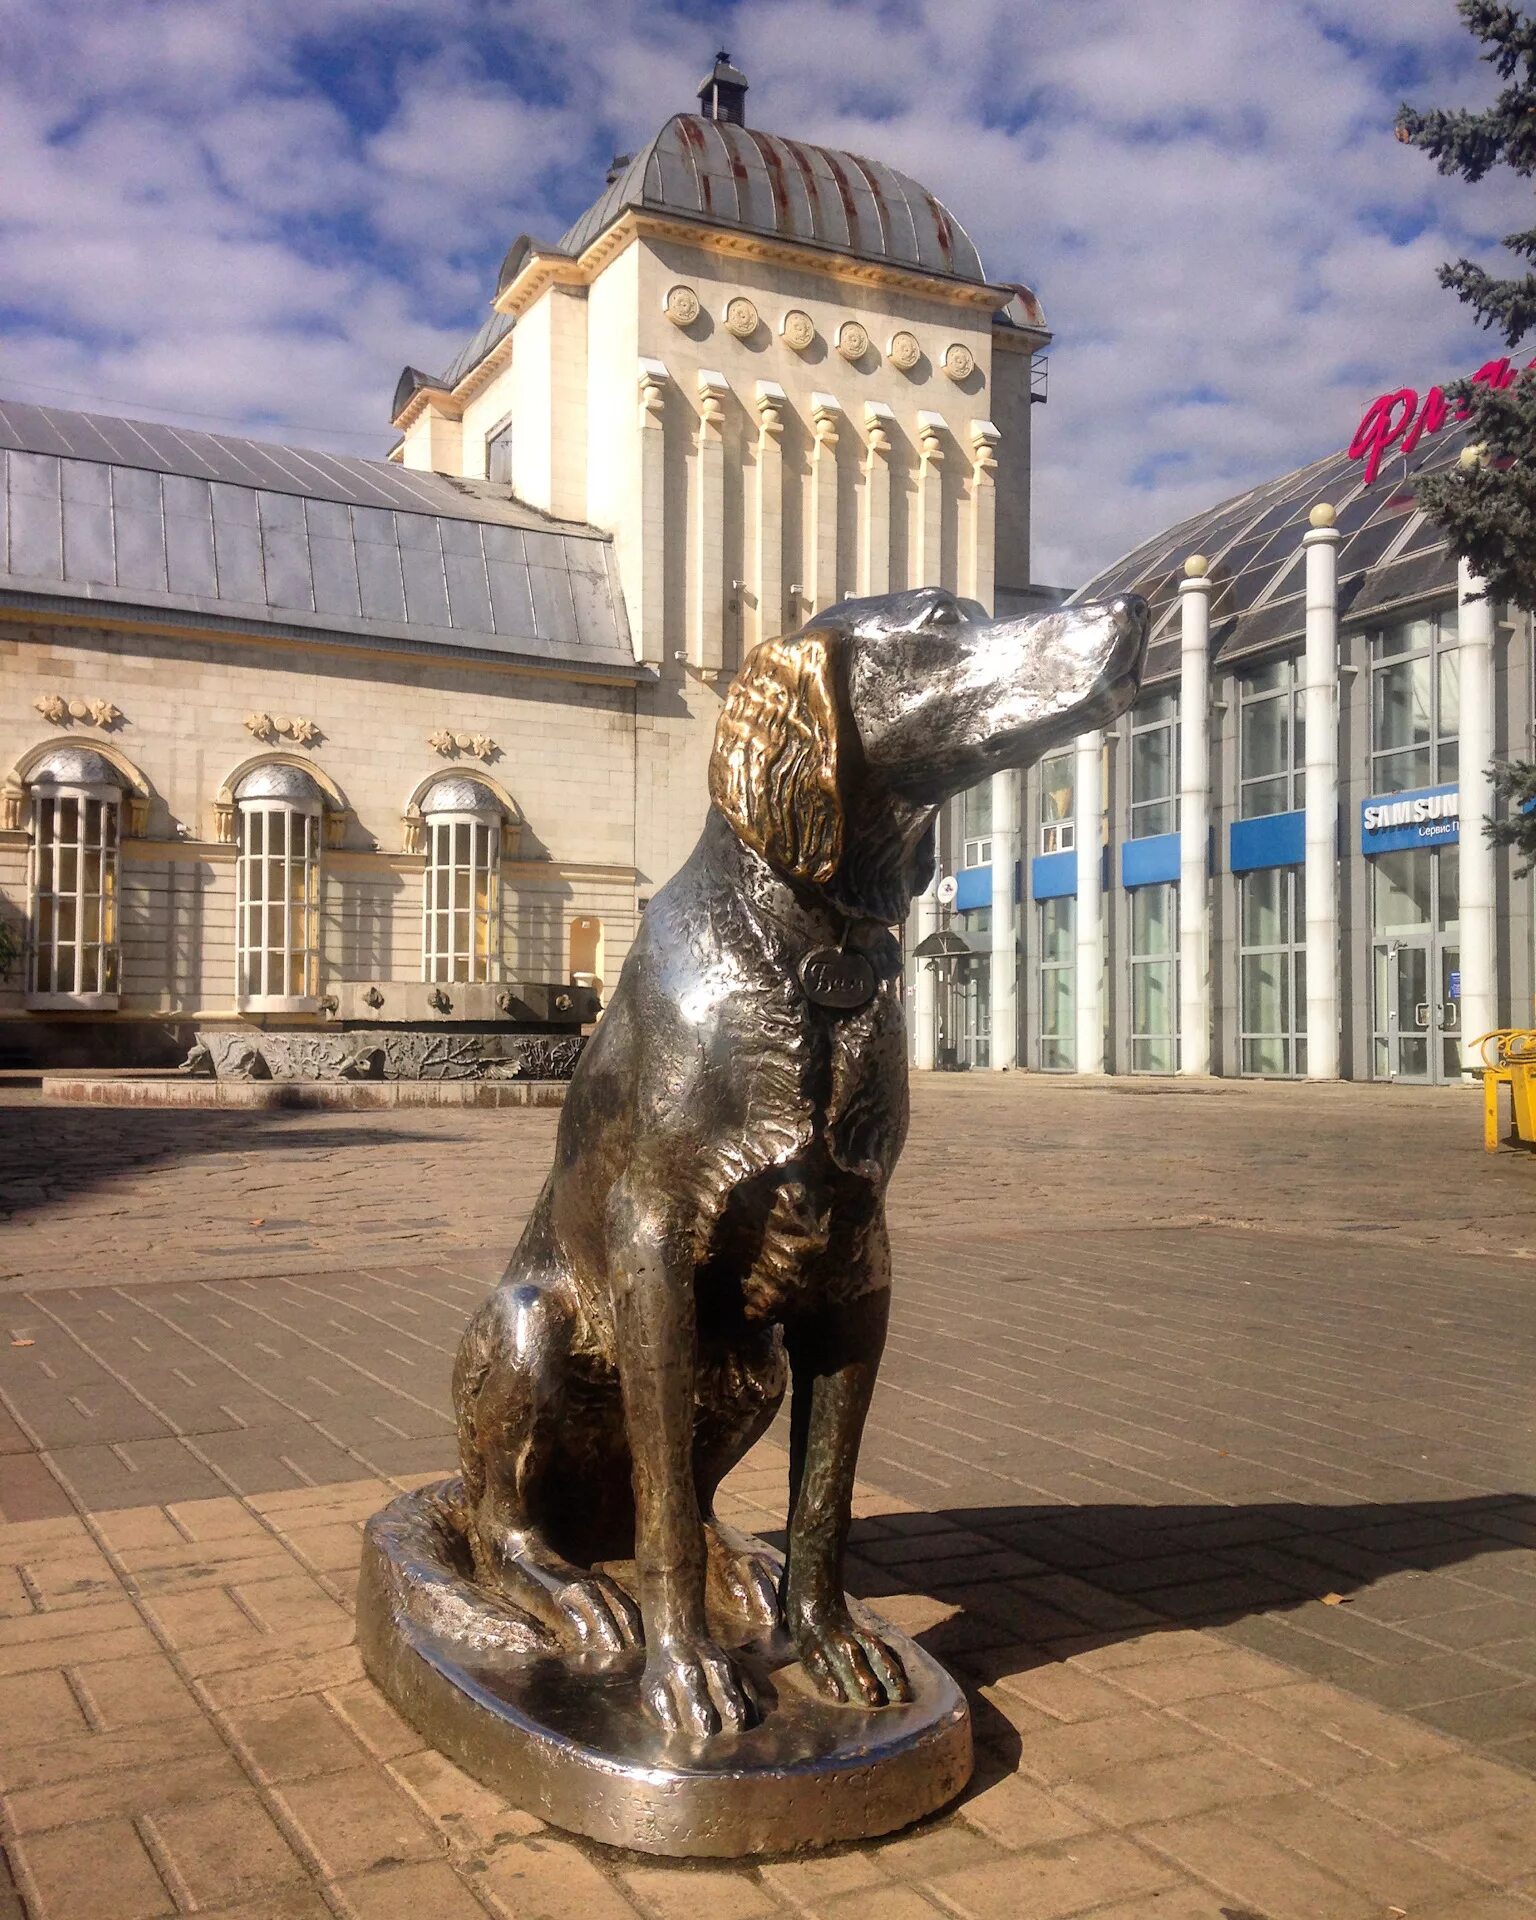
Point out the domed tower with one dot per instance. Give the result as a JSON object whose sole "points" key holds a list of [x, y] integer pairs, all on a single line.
{"points": [[775, 373]]}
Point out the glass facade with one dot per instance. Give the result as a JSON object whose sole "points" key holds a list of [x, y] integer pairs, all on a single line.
{"points": [[1155, 979], [1058, 802], [1155, 767], [1416, 964], [1272, 973], [1415, 704], [969, 1014], [1271, 744], [976, 825], [1058, 985]]}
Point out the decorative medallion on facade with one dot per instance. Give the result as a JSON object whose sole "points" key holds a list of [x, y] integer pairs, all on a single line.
{"points": [[450, 745], [304, 732], [797, 329], [60, 711], [741, 317], [904, 351], [852, 340], [959, 361], [681, 306]]}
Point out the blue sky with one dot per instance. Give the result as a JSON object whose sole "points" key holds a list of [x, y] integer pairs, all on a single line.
{"points": [[252, 213]]}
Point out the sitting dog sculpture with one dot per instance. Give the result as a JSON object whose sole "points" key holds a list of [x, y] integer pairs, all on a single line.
{"points": [[713, 1227]]}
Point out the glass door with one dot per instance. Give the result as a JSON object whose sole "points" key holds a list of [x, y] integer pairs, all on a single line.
{"points": [[1404, 1014], [1448, 1013]]}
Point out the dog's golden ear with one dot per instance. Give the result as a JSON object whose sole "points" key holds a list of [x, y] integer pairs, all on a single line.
{"points": [[773, 772]]}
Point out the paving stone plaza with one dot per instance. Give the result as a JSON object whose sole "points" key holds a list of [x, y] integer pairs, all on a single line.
{"points": [[1202, 1453]]}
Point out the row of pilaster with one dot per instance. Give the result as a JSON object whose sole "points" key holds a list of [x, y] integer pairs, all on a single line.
{"points": [[827, 571]]}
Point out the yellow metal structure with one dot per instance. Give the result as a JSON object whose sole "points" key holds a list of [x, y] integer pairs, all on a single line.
{"points": [[1509, 1059]]}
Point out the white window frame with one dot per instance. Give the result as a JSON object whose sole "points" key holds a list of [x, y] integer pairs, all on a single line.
{"points": [[1058, 836], [257, 961], [479, 955], [1058, 1051], [1294, 773], [1158, 714], [49, 901], [978, 852]]}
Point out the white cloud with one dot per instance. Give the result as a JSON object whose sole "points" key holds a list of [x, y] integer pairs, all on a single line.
{"points": [[260, 210]]}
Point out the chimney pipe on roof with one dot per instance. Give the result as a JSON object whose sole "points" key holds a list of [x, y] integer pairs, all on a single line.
{"points": [[723, 92]]}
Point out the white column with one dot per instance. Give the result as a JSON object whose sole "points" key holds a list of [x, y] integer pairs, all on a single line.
{"points": [[1088, 806], [925, 913], [875, 528], [706, 643], [978, 567], [825, 411], [1005, 949], [1195, 818], [1320, 713], [771, 403], [1479, 954], [649, 602], [929, 571]]}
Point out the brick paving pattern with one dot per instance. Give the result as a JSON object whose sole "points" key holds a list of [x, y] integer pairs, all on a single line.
{"points": [[1202, 1453]]}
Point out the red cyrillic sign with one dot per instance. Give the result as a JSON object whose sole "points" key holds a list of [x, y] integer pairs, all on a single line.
{"points": [[1398, 420]]}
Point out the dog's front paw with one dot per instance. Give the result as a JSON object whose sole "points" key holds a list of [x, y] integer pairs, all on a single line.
{"points": [[691, 1687], [848, 1662]]}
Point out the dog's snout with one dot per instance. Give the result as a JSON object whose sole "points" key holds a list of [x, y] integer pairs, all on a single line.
{"points": [[1129, 614]]}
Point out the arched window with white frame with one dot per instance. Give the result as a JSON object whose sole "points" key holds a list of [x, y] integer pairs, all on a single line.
{"points": [[461, 893], [279, 814], [76, 799]]}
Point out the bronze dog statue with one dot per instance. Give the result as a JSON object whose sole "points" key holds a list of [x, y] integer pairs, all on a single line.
{"points": [[714, 1224]]}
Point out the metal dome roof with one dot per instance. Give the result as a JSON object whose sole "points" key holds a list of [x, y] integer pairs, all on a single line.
{"points": [[460, 793], [77, 767], [1390, 554], [731, 176], [276, 780]]}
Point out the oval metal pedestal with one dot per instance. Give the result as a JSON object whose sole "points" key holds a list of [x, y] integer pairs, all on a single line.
{"points": [[566, 1738]]}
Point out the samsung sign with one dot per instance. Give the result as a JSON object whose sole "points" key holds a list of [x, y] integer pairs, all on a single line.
{"points": [[1430, 817]]}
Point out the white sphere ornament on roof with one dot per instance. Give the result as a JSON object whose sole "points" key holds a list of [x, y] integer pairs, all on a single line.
{"points": [[681, 306], [1196, 567], [1322, 515], [1474, 456]]}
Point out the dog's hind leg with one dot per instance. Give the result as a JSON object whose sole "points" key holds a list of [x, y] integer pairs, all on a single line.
{"points": [[516, 1422]]}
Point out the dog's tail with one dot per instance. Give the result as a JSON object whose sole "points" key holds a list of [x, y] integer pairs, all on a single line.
{"points": [[417, 1568]]}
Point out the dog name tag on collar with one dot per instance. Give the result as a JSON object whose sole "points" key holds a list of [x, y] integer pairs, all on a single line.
{"points": [[832, 978]]}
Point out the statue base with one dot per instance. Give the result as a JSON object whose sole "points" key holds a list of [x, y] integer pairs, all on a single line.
{"points": [[565, 1737]]}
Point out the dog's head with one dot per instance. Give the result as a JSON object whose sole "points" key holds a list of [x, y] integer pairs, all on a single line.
{"points": [[838, 744]]}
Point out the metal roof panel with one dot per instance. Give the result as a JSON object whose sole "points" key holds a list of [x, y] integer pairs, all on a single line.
{"points": [[77, 528]]}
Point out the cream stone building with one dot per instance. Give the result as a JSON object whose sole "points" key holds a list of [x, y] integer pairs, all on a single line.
{"points": [[283, 730]]}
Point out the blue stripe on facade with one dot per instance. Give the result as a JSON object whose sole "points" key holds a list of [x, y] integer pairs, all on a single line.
{"points": [[1149, 862], [1053, 876], [973, 888], [1276, 840]]}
